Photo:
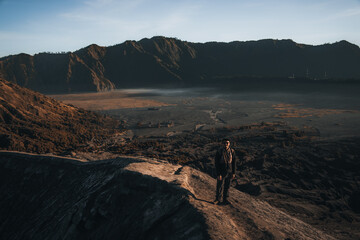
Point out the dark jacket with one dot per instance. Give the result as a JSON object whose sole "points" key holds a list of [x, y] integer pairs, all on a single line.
{"points": [[222, 167]]}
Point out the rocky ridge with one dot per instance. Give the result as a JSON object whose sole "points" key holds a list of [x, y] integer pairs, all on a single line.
{"points": [[290, 168], [129, 198]]}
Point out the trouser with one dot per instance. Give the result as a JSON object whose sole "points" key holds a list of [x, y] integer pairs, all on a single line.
{"points": [[222, 187]]}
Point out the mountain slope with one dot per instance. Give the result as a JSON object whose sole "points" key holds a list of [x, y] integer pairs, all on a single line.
{"points": [[30, 121], [169, 62], [129, 198], [54, 73]]}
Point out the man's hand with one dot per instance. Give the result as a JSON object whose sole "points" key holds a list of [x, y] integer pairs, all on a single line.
{"points": [[219, 177]]}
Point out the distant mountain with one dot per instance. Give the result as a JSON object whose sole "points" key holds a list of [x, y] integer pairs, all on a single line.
{"points": [[32, 122], [169, 62]]}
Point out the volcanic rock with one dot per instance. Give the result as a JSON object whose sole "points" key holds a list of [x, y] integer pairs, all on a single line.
{"points": [[129, 198]]}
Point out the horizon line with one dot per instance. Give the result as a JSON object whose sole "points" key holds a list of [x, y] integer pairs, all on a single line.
{"points": [[176, 38]]}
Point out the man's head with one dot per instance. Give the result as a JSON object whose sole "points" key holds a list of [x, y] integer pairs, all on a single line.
{"points": [[226, 143]]}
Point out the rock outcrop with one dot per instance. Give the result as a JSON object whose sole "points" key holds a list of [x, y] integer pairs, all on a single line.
{"points": [[47, 197], [290, 168], [169, 62]]}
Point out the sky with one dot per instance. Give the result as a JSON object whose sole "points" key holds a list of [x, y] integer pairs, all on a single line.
{"points": [[34, 26]]}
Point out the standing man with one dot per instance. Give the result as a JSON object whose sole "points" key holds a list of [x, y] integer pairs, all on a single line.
{"points": [[225, 164]]}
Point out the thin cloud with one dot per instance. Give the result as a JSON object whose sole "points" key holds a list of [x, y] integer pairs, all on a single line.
{"points": [[350, 12], [100, 10], [181, 17], [130, 17], [124, 5], [98, 2]]}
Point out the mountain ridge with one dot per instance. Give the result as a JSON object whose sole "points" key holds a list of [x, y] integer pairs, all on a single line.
{"points": [[170, 62]]}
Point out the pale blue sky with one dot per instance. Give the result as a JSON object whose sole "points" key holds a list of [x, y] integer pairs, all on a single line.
{"points": [[33, 26]]}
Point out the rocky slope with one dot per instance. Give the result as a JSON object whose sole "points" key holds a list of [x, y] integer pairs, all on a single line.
{"points": [[32, 122], [314, 180], [129, 198], [169, 62]]}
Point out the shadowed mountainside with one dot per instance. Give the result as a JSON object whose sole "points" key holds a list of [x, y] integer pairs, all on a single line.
{"points": [[169, 62], [32, 122], [129, 198]]}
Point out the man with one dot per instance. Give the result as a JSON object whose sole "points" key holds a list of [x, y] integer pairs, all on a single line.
{"points": [[225, 165]]}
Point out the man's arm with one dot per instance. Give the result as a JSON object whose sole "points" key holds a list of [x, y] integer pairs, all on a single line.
{"points": [[217, 162], [233, 162]]}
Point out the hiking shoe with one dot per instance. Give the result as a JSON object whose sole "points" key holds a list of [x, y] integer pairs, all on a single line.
{"points": [[226, 202]]}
